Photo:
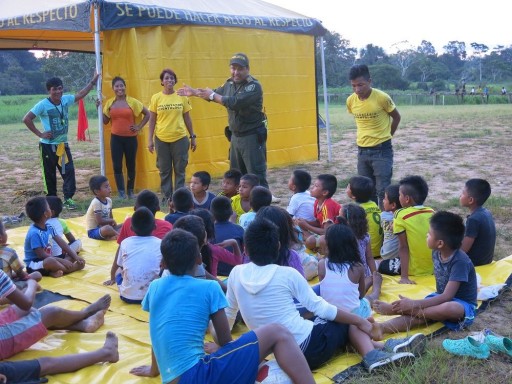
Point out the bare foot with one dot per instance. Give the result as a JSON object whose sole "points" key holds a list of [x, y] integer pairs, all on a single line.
{"points": [[383, 308], [102, 304], [376, 332], [111, 348], [92, 323], [376, 290], [58, 273]]}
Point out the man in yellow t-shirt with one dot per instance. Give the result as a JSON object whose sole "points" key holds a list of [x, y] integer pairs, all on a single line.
{"points": [[377, 120]]}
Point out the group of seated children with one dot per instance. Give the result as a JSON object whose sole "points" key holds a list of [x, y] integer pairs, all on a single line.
{"points": [[158, 263]]}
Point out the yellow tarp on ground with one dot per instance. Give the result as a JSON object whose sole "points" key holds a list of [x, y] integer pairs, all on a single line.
{"points": [[129, 322]]}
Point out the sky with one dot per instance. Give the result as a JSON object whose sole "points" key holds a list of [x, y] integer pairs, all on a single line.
{"points": [[386, 23]]}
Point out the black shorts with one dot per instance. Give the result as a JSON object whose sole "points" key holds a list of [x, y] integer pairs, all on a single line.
{"points": [[326, 338], [25, 371]]}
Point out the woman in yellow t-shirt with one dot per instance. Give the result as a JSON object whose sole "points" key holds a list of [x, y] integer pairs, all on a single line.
{"points": [[127, 116], [170, 127]]}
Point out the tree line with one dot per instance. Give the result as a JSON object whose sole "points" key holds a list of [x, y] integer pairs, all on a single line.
{"points": [[408, 68], [420, 67]]}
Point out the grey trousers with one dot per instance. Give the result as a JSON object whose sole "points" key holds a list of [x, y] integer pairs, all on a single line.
{"points": [[249, 156], [171, 158]]}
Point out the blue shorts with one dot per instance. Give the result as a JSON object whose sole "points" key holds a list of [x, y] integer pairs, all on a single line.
{"points": [[25, 371], [469, 314], [364, 310], [95, 234], [235, 362]]}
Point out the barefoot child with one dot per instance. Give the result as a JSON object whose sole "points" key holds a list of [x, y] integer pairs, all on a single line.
{"points": [[39, 240], [264, 293], [342, 274], [100, 223], [454, 302], [235, 361], [21, 325], [30, 371]]}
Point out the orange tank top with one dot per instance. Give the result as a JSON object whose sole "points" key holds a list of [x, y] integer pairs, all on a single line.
{"points": [[122, 119]]}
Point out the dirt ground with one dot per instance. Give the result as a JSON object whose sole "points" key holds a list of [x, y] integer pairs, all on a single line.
{"points": [[445, 152]]}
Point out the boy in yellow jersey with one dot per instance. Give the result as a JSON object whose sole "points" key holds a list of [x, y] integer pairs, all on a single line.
{"points": [[361, 189], [411, 225], [377, 120], [241, 203]]}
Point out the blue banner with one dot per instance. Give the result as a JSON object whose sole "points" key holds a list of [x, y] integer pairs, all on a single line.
{"points": [[74, 17], [130, 15]]}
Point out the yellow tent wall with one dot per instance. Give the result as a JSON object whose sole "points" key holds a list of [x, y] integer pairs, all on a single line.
{"points": [[282, 62]]}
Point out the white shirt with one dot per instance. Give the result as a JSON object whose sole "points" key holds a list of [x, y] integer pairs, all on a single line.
{"points": [[140, 257], [301, 206], [265, 295]]}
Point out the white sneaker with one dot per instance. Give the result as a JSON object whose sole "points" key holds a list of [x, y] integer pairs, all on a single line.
{"points": [[275, 200]]}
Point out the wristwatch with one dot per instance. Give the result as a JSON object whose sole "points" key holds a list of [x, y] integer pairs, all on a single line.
{"points": [[212, 96]]}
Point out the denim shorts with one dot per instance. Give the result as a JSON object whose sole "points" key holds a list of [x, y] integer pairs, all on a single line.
{"points": [[469, 314]]}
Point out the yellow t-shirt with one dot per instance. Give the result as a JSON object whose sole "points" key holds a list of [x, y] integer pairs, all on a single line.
{"points": [[169, 109], [236, 205], [372, 117], [374, 228], [415, 222]]}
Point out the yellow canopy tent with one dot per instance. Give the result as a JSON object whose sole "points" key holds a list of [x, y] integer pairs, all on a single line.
{"points": [[196, 39]]}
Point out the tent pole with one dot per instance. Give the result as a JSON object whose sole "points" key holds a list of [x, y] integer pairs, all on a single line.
{"points": [[97, 50], [326, 102]]}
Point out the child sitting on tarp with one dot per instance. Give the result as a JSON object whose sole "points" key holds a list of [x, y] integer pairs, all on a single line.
{"points": [[480, 236], [411, 224], [455, 300], [200, 301], [61, 227], [11, 264], [100, 222], [21, 325], [39, 240], [138, 258], [361, 189]]}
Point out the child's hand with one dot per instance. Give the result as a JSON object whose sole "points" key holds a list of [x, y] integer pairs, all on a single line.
{"points": [[210, 348], [403, 305], [227, 243], [406, 280], [301, 223], [109, 282], [365, 326]]}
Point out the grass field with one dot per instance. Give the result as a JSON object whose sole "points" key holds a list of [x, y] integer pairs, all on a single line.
{"points": [[445, 144]]}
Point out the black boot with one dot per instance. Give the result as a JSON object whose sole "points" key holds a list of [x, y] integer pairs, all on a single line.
{"points": [[120, 185]]}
